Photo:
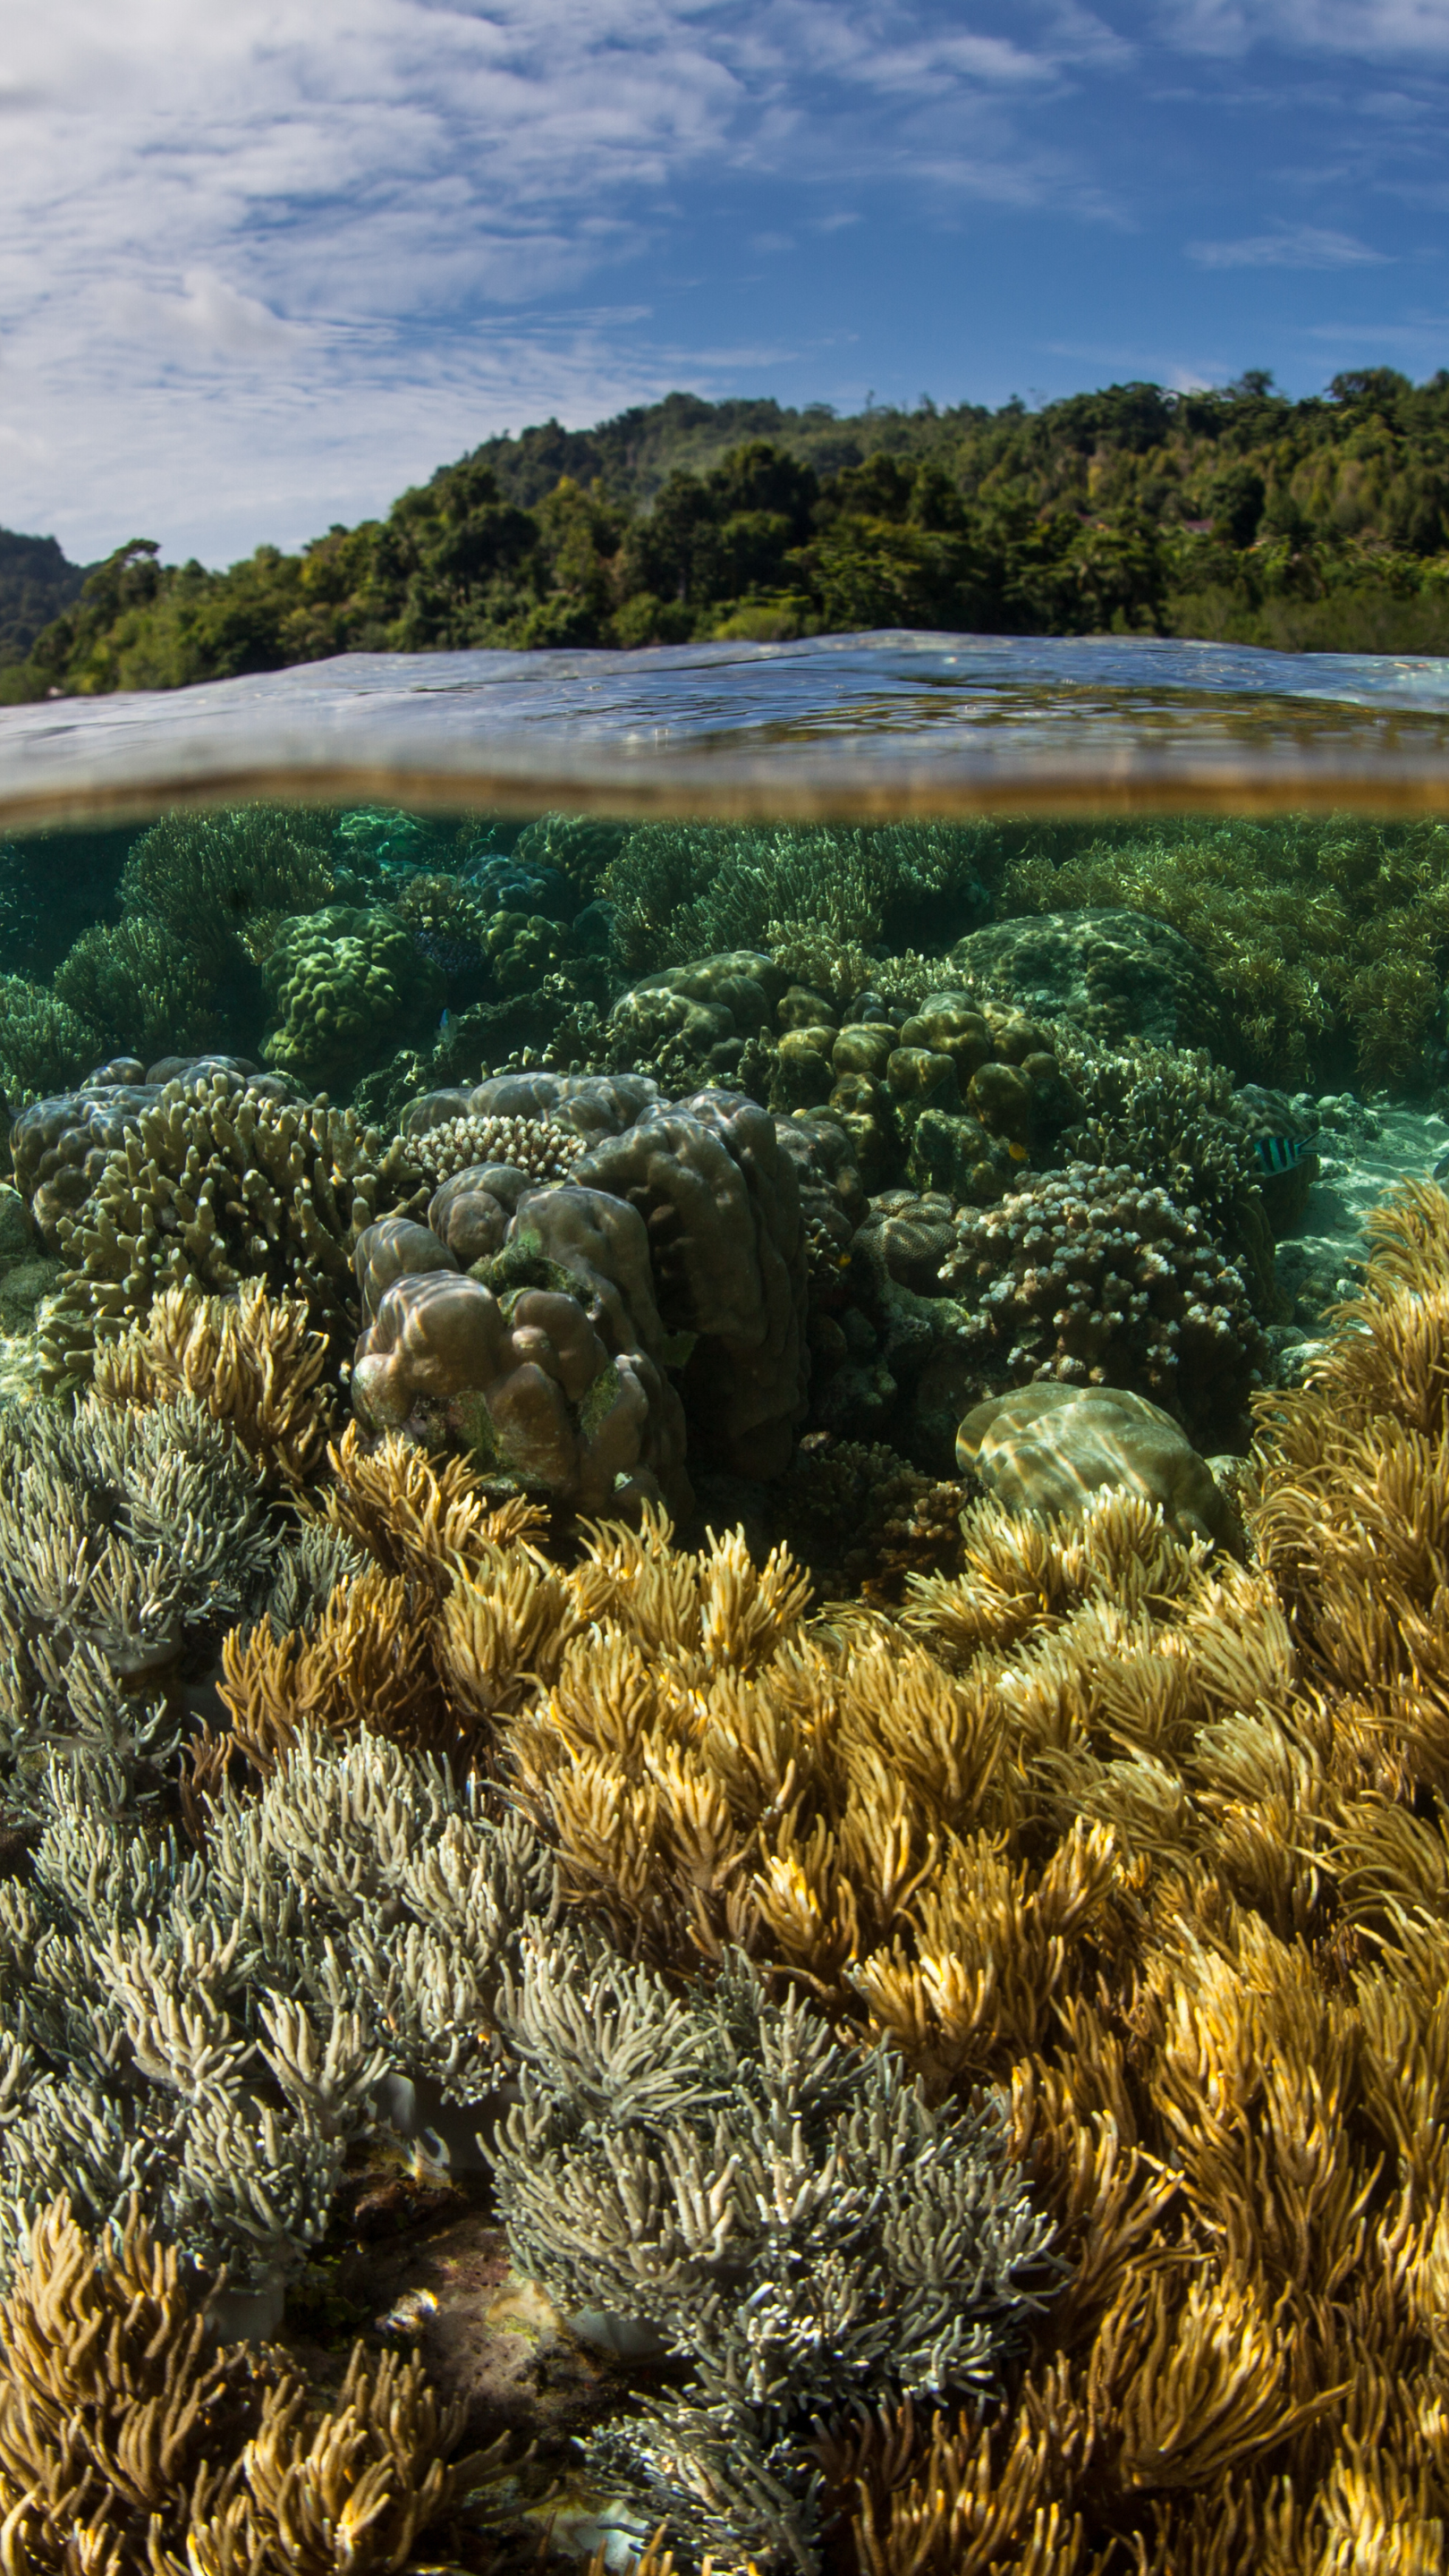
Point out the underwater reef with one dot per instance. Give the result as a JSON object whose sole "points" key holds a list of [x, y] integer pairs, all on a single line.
{"points": [[724, 1777]]}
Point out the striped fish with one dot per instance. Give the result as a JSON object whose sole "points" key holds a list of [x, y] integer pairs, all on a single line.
{"points": [[1281, 1153]]}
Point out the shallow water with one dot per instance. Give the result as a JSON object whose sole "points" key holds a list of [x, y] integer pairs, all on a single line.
{"points": [[856, 725]]}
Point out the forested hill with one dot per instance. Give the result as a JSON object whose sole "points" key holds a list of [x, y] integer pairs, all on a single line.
{"points": [[36, 583], [1239, 514]]}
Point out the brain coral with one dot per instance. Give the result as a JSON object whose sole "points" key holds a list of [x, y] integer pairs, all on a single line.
{"points": [[345, 986], [1090, 1278], [218, 1186]]}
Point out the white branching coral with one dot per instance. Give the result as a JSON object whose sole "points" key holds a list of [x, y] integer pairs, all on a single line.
{"points": [[788, 2213], [207, 2032]]}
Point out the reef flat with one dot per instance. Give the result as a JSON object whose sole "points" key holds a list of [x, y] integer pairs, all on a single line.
{"points": [[724, 1717]]}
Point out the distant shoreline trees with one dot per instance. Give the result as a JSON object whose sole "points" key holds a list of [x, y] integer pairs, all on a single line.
{"points": [[1235, 515]]}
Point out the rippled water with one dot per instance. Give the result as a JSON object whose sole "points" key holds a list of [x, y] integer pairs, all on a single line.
{"points": [[854, 725]]}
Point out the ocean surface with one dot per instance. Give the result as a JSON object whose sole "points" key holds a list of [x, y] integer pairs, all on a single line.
{"points": [[867, 725]]}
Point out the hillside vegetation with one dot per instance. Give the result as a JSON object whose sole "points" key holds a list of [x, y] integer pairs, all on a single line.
{"points": [[36, 583], [1238, 515]]}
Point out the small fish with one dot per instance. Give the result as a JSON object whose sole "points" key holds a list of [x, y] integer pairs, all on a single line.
{"points": [[1281, 1153], [1018, 1153], [446, 1025]]}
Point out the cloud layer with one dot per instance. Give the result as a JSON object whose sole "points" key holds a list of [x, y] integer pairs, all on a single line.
{"points": [[259, 266]]}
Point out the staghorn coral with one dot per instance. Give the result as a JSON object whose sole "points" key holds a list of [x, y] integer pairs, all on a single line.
{"points": [[341, 983], [788, 2214], [218, 1187], [114, 2406], [251, 1359], [1093, 1280], [206, 2031]]}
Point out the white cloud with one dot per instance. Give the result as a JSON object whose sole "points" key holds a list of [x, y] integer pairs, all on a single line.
{"points": [[1372, 28], [1287, 246], [249, 254]]}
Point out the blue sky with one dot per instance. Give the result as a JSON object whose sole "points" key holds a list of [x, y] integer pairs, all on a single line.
{"points": [[263, 263]]}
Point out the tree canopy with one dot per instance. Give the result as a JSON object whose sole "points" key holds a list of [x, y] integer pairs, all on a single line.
{"points": [[1235, 513]]}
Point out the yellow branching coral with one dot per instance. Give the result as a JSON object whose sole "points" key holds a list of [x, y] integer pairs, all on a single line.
{"points": [[416, 1516], [252, 1359], [365, 1662], [130, 2447]]}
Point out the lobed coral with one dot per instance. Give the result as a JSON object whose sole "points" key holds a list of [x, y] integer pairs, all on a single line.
{"points": [[342, 983]]}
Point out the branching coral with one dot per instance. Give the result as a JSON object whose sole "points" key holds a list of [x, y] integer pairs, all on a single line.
{"points": [[1330, 935], [217, 1187], [681, 891], [252, 1360], [43, 1041], [788, 2214], [141, 988], [127, 1539], [220, 882]]}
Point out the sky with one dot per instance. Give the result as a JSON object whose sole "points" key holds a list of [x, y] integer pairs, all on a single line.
{"points": [[264, 264]]}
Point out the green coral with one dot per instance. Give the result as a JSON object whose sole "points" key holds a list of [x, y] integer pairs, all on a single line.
{"points": [[1330, 933], [220, 881], [344, 986], [683, 890], [44, 1042], [138, 984], [583, 847]]}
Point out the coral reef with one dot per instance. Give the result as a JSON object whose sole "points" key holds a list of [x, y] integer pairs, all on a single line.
{"points": [[1093, 1280], [1330, 936], [140, 988], [341, 983], [217, 1184], [939, 1969]]}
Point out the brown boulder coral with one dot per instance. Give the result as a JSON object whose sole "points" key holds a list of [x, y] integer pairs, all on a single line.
{"points": [[524, 1384], [1049, 1448], [721, 1204]]}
